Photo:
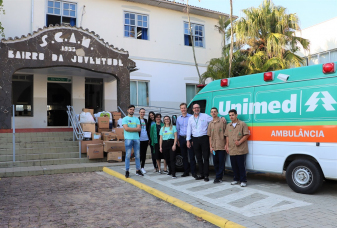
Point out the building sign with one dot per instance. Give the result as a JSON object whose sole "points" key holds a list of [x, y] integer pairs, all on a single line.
{"points": [[61, 46], [53, 79]]}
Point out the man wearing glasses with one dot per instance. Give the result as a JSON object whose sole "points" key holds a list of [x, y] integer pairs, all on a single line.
{"points": [[197, 127]]}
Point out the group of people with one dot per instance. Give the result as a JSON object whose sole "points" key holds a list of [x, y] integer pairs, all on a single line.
{"points": [[197, 136]]}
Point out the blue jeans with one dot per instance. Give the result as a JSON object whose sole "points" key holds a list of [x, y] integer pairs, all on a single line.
{"points": [[187, 152], [129, 143]]}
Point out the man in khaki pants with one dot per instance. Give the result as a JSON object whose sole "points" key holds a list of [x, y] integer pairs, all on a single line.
{"points": [[237, 134]]}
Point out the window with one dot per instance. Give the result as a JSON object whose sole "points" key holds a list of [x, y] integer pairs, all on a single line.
{"points": [[60, 12], [136, 26], [198, 35], [202, 104], [22, 94], [191, 91], [139, 93]]}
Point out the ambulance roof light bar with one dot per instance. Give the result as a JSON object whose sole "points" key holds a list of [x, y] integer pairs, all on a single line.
{"points": [[268, 76], [329, 68], [224, 82]]}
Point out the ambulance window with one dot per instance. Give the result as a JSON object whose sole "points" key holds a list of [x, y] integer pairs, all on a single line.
{"points": [[202, 104]]}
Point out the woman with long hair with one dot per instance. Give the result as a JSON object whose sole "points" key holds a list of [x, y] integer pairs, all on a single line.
{"points": [[151, 121], [144, 136], [168, 142], [155, 139]]}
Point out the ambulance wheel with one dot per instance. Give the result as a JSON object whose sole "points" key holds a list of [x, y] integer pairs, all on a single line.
{"points": [[304, 176]]}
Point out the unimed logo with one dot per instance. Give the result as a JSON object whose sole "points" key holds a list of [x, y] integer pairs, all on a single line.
{"points": [[288, 105], [275, 106], [327, 99]]}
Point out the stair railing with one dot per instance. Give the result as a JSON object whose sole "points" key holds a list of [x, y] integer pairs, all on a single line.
{"points": [[75, 123]]}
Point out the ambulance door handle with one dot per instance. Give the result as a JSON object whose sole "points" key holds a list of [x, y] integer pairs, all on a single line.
{"points": [[317, 144]]}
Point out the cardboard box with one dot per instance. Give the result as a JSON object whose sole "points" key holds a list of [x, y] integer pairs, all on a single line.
{"points": [[85, 143], [88, 127], [116, 115], [100, 130], [95, 151], [116, 156], [113, 146], [120, 133], [96, 135], [108, 136], [88, 110], [103, 122]]}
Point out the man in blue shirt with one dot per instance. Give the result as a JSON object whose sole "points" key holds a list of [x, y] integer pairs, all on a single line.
{"points": [[181, 125], [132, 128]]}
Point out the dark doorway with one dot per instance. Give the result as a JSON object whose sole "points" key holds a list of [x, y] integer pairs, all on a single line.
{"points": [[58, 97], [94, 94]]}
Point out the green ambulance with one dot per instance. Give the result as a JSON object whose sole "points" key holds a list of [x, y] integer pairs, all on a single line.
{"points": [[292, 118]]}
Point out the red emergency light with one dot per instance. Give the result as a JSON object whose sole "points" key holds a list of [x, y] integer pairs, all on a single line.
{"points": [[201, 86], [224, 82], [329, 68], [268, 76]]}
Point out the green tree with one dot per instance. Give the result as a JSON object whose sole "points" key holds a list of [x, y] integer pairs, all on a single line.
{"points": [[270, 34]]}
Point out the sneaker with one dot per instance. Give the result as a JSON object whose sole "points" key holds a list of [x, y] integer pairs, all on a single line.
{"points": [[174, 177], [216, 181], [206, 179], [194, 176], [165, 171], [139, 173], [127, 174], [234, 182], [159, 172], [143, 170], [169, 173], [200, 178], [185, 175], [243, 184]]}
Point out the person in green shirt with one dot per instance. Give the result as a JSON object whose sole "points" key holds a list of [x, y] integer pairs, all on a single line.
{"points": [[155, 138], [168, 142]]}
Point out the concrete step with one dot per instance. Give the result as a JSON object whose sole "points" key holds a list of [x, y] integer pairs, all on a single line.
{"points": [[58, 169], [32, 144], [19, 151], [54, 169], [36, 139], [37, 134], [42, 156], [63, 161]]}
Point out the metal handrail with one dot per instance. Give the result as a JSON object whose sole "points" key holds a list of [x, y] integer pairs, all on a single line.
{"points": [[77, 128], [119, 108]]}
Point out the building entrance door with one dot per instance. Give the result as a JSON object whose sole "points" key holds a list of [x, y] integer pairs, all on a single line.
{"points": [[58, 98], [94, 94]]}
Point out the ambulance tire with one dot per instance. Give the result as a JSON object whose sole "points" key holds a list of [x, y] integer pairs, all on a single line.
{"points": [[304, 176]]}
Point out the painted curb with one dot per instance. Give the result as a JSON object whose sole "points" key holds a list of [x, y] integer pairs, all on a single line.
{"points": [[212, 218]]}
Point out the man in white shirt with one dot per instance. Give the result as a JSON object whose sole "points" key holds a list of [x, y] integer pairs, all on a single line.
{"points": [[197, 128]]}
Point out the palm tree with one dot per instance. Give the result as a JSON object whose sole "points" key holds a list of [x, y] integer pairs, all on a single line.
{"points": [[270, 34], [232, 40]]}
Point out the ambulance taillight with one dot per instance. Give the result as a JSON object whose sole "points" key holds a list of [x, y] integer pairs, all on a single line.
{"points": [[268, 76], [200, 86], [329, 68], [224, 82]]}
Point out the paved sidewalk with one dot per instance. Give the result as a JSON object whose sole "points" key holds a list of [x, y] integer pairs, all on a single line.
{"points": [[266, 202], [85, 200]]}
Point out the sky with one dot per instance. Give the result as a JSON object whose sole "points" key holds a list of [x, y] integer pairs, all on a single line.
{"points": [[309, 12]]}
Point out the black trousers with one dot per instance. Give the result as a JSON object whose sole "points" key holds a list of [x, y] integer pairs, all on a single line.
{"points": [[153, 156], [143, 150], [169, 155], [201, 149], [187, 152], [238, 163], [219, 163]]}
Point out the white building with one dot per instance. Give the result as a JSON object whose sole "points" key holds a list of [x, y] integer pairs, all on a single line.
{"points": [[154, 32], [323, 42]]}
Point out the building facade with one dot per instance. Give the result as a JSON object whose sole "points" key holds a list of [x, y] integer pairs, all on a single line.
{"points": [[323, 43], [155, 34]]}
